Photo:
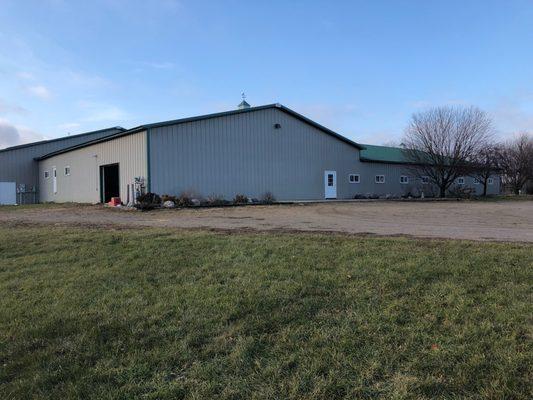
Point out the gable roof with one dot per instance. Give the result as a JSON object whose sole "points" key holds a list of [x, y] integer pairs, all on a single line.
{"points": [[79, 135], [204, 117], [384, 154]]}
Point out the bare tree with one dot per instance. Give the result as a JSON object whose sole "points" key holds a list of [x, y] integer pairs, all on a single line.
{"points": [[441, 143], [516, 161], [484, 164]]}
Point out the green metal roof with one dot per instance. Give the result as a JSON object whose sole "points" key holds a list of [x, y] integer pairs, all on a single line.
{"points": [[384, 154]]}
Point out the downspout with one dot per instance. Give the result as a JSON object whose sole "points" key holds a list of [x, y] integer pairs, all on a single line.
{"points": [[148, 163]]}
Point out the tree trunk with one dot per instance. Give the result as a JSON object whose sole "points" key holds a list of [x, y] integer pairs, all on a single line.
{"points": [[485, 188], [442, 192]]}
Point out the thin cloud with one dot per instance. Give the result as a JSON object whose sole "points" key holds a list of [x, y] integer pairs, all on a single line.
{"points": [[160, 65], [11, 135], [96, 112], [69, 125], [512, 115], [8, 108], [40, 91], [27, 76]]}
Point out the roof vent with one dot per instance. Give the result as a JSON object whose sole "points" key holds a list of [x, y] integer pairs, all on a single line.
{"points": [[243, 103]]}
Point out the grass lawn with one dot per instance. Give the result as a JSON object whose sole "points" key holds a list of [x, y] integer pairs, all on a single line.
{"points": [[157, 314]]}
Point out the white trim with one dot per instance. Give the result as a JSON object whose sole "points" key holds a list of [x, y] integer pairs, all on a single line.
{"points": [[404, 181], [377, 179], [330, 187], [54, 179], [354, 181]]}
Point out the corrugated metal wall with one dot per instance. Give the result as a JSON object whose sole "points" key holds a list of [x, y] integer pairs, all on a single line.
{"points": [[83, 183], [244, 153], [18, 165], [393, 186]]}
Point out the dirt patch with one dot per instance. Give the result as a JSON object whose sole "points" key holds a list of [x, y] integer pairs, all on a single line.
{"points": [[495, 221]]}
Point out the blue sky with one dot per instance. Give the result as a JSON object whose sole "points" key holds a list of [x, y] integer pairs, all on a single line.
{"points": [[359, 67]]}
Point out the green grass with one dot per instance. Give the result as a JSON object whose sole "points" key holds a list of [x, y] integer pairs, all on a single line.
{"points": [[504, 197], [156, 314]]}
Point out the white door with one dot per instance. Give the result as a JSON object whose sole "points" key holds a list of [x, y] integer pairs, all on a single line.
{"points": [[8, 193], [54, 179], [330, 184]]}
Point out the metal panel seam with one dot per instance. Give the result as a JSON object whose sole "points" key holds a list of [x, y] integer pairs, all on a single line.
{"points": [[148, 161]]}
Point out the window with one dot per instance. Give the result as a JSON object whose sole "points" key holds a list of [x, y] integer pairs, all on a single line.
{"points": [[490, 181], [404, 179], [354, 178], [67, 171], [461, 181], [425, 180], [330, 180], [379, 179], [476, 181], [46, 174]]}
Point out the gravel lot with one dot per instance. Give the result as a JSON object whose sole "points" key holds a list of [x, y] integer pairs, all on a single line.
{"points": [[476, 220]]}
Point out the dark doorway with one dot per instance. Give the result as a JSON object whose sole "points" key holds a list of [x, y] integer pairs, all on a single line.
{"points": [[109, 182]]}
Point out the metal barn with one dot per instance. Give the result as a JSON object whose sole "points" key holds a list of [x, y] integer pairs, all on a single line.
{"points": [[248, 151], [18, 164]]}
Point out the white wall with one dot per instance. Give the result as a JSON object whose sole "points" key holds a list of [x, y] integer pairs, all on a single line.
{"points": [[8, 193], [83, 183]]}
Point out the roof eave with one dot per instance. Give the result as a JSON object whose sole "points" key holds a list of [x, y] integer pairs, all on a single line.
{"points": [[203, 117]]}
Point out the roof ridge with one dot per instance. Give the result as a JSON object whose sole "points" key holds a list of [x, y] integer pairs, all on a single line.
{"points": [[141, 128], [21, 146]]}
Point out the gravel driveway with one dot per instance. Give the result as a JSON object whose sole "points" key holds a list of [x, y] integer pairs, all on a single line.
{"points": [[477, 220]]}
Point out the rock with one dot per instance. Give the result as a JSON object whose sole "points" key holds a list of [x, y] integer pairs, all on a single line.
{"points": [[169, 204]]}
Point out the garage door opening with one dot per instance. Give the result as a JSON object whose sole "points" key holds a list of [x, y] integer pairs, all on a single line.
{"points": [[109, 182]]}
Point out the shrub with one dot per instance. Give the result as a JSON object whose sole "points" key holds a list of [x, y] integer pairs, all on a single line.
{"points": [[240, 199], [184, 200], [268, 198], [529, 187], [215, 200], [148, 201], [167, 197], [461, 192]]}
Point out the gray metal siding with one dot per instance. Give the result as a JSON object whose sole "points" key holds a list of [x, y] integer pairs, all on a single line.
{"points": [[392, 185], [18, 165], [244, 153]]}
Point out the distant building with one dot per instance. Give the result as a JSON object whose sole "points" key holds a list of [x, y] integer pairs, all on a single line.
{"points": [[18, 165]]}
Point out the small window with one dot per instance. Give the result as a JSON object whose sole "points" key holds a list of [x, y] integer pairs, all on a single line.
{"points": [[476, 181], [330, 180], [379, 179], [67, 171], [490, 181], [425, 180], [46, 174], [461, 181], [354, 178], [404, 179]]}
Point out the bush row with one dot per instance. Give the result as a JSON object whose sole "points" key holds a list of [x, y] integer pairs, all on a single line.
{"points": [[149, 201]]}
